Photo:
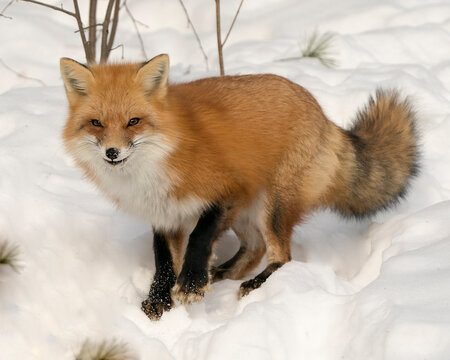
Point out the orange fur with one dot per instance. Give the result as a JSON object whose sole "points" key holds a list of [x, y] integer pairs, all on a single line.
{"points": [[258, 144]]}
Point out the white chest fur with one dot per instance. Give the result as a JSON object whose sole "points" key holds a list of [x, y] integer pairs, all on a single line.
{"points": [[142, 188]]}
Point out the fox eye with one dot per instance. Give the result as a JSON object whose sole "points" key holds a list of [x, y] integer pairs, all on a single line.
{"points": [[134, 121], [96, 122]]}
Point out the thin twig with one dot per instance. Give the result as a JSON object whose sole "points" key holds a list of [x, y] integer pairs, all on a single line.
{"points": [[88, 28], [77, 16], [4, 9], [119, 46], [133, 19], [107, 19], [89, 57], [51, 7], [219, 40], [92, 27], [232, 23], [115, 22], [142, 24], [20, 75], [195, 33]]}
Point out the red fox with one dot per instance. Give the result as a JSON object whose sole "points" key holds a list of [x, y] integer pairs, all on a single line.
{"points": [[252, 153]]}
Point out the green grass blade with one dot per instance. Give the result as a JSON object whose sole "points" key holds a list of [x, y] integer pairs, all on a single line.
{"points": [[321, 47], [105, 350], [10, 255]]}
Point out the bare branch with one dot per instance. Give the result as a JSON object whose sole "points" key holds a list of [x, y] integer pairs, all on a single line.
{"points": [[89, 57], [92, 27], [142, 24], [51, 7], [88, 28], [115, 22], [133, 19], [119, 46], [219, 40], [77, 16], [20, 75], [195, 33], [232, 23], [5, 8], [106, 21]]}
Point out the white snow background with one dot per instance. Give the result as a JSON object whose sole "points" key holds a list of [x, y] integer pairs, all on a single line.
{"points": [[378, 289]]}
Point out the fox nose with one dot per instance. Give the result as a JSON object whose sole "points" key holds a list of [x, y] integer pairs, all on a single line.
{"points": [[112, 153]]}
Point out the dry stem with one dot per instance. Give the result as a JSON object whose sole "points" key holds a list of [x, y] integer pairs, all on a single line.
{"points": [[51, 7], [219, 38], [135, 22], [220, 43], [4, 9], [232, 23], [20, 74], [115, 22], [195, 33], [108, 36], [92, 28]]}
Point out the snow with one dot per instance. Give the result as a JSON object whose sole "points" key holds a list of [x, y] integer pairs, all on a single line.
{"points": [[377, 289]]}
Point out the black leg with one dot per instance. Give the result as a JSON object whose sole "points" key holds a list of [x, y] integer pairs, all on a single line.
{"points": [[193, 280], [159, 298], [257, 281]]}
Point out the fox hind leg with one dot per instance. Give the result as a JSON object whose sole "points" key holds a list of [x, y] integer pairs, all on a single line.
{"points": [[277, 229], [248, 256], [252, 248]]}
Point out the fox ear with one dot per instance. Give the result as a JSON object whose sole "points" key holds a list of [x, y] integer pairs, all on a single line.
{"points": [[153, 75], [77, 77]]}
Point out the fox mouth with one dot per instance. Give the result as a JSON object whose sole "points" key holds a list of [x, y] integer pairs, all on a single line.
{"points": [[116, 162]]}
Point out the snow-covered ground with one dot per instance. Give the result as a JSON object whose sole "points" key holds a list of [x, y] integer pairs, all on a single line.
{"points": [[378, 289]]}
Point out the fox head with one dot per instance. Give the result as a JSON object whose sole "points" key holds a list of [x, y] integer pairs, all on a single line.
{"points": [[115, 112]]}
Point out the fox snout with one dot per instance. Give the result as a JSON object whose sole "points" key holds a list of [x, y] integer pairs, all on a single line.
{"points": [[115, 155], [112, 153]]}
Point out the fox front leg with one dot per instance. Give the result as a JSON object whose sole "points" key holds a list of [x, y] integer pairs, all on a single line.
{"points": [[194, 280], [159, 298]]}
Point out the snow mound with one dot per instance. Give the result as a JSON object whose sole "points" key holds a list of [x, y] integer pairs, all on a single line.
{"points": [[377, 289]]}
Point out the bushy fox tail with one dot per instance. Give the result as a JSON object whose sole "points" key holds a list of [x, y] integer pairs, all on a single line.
{"points": [[382, 156]]}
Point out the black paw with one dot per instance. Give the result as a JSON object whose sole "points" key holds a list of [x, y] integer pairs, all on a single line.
{"points": [[256, 282], [250, 285], [156, 304], [191, 286]]}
